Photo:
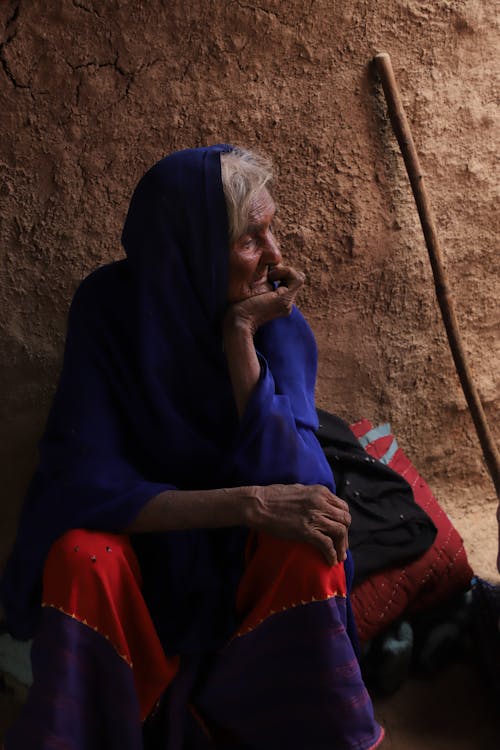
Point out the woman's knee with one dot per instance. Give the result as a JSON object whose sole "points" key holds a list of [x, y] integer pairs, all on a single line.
{"points": [[83, 555]]}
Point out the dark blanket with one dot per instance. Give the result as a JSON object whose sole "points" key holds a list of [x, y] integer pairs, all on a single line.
{"points": [[388, 528]]}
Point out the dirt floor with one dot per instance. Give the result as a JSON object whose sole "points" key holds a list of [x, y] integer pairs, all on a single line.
{"points": [[450, 712]]}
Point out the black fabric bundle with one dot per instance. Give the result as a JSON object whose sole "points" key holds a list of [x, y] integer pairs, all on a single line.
{"points": [[388, 527]]}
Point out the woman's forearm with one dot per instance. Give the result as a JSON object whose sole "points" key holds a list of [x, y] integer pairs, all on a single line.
{"points": [[175, 510], [244, 318], [242, 360], [304, 513]]}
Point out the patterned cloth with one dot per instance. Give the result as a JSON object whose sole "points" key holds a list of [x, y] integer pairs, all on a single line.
{"points": [[441, 572]]}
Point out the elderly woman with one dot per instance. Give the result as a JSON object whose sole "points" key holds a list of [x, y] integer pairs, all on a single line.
{"points": [[182, 556]]}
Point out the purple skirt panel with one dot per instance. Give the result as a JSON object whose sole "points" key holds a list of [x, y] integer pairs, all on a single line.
{"points": [[293, 682]]}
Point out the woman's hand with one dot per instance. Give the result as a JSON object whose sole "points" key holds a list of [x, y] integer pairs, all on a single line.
{"points": [[253, 312], [302, 513]]}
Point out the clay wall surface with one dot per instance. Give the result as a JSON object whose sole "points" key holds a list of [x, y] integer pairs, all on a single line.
{"points": [[92, 93]]}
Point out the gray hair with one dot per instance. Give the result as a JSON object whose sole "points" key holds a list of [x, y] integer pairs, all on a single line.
{"points": [[244, 175]]}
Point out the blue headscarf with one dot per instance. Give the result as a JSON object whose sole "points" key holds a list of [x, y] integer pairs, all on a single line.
{"points": [[145, 404]]}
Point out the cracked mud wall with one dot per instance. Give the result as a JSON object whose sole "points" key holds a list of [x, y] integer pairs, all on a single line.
{"points": [[92, 93]]}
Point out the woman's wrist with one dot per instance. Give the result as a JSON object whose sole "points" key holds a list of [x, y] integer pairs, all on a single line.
{"points": [[237, 323], [242, 360], [252, 505], [239, 506]]}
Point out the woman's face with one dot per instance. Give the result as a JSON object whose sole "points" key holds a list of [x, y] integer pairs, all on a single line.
{"points": [[252, 253]]}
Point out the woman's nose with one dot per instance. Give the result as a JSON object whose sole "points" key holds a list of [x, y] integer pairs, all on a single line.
{"points": [[272, 251]]}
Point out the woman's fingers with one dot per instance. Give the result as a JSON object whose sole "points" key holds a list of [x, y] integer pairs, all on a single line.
{"points": [[290, 283], [335, 522], [325, 546], [332, 498], [337, 533], [261, 308], [288, 277], [340, 515], [307, 513], [330, 505]]}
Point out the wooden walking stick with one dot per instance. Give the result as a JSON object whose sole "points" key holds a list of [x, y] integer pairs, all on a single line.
{"points": [[402, 131]]}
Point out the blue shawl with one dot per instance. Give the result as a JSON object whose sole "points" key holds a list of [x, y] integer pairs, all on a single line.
{"points": [[144, 404]]}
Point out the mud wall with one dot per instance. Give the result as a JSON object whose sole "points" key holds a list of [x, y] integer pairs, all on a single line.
{"points": [[92, 93]]}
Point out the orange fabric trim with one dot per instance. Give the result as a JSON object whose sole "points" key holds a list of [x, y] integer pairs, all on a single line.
{"points": [[285, 608], [83, 621], [201, 722], [379, 741]]}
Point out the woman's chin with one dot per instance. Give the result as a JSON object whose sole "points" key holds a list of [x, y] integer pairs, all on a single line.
{"points": [[262, 287]]}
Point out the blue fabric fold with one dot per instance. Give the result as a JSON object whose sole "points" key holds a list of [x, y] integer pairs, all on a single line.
{"points": [[276, 441]]}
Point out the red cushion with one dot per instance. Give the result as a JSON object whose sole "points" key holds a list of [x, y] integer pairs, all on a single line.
{"points": [[439, 573]]}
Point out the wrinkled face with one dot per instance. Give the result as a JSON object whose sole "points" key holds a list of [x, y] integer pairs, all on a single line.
{"points": [[252, 254]]}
